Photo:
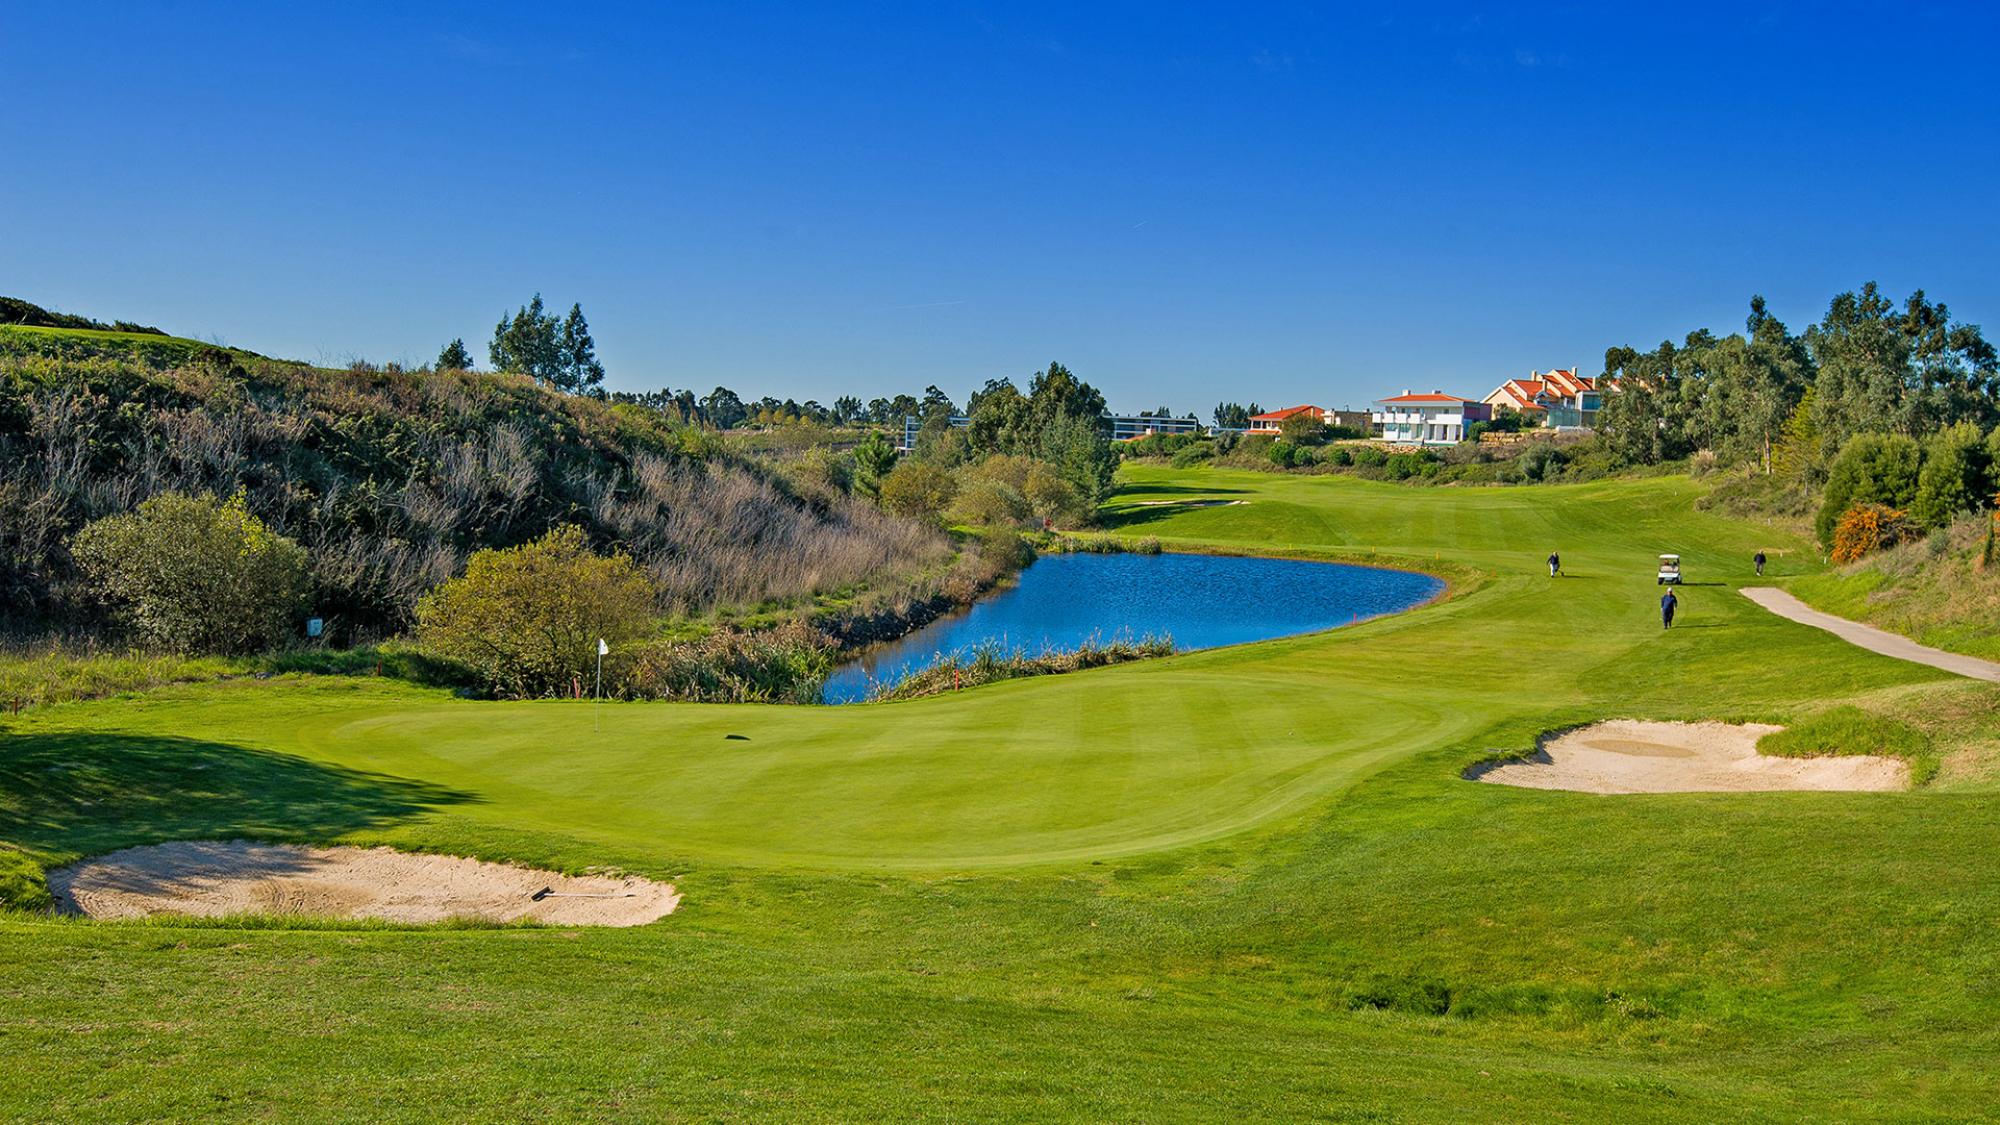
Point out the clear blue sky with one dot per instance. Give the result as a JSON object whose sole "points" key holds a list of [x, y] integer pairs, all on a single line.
{"points": [[1183, 202]]}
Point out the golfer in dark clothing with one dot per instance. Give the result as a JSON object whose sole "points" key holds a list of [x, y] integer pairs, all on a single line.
{"points": [[1555, 564], [1667, 603], [1759, 560]]}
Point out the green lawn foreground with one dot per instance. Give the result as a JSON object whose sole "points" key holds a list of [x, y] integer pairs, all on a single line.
{"points": [[1240, 884]]}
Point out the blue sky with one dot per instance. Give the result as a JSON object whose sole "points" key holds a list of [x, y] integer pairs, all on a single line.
{"points": [[1182, 202]]}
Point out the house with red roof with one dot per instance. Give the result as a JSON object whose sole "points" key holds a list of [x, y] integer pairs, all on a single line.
{"points": [[1269, 421], [1435, 418], [1560, 397]]}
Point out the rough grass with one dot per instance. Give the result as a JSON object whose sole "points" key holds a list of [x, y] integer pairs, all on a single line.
{"points": [[1850, 730], [1242, 884], [1932, 590]]}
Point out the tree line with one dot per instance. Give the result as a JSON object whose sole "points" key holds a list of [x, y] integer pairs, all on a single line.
{"points": [[1882, 419]]}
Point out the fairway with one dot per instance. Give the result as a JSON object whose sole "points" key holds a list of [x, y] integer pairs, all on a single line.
{"points": [[1249, 875]]}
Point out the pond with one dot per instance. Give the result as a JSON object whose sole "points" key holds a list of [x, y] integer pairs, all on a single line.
{"points": [[1201, 601]]}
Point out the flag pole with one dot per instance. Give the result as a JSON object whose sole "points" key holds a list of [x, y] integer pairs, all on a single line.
{"points": [[597, 709]]}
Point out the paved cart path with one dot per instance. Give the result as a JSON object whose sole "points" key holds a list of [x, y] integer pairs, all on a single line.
{"points": [[1871, 638]]}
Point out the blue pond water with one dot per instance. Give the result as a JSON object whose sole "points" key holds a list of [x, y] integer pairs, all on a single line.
{"points": [[1201, 601]]}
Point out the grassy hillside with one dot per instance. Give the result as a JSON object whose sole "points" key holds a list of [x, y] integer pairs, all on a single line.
{"points": [[390, 478], [1242, 884], [1935, 591]]}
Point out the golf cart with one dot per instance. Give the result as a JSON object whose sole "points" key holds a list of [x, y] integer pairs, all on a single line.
{"points": [[1670, 570]]}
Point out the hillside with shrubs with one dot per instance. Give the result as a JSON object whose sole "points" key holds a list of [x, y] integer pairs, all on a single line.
{"points": [[183, 497]]}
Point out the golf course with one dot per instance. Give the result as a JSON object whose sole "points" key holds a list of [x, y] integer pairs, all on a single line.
{"points": [[1246, 882]]}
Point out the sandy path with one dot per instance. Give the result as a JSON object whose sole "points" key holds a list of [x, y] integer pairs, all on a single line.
{"points": [[1871, 638], [1628, 756], [209, 878]]}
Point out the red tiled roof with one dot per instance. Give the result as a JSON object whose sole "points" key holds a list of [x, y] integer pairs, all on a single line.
{"points": [[1438, 396], [1281, 415]]}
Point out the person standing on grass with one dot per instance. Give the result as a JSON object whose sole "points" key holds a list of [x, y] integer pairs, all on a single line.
{"points": [[1759, 560], [1668, 603], [1555, 564]]}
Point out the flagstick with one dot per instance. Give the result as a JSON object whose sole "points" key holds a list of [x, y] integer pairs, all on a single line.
{"points": [[597, 709]]}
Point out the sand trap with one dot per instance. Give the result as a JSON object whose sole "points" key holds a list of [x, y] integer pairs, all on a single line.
{"points": [[209, 879], [1628, 756]]}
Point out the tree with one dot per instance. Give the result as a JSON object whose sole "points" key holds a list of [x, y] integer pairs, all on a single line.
{"points": [[577, 354], [195, 574], [454, 357], [528, 618], [873, 459], [1303, 428], [918, 489], [999, 420], [1056, 393], [846, 409], [722, 409], [1955, 476], [936, 402], [1001, 385], [529, 342], [1908, 371]]}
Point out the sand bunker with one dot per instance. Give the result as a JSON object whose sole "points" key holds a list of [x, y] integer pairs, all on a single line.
{"points": [[238, 877], [1627, 756]]}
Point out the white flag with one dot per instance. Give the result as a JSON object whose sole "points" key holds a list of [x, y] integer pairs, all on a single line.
{"points": [[602, 648]]}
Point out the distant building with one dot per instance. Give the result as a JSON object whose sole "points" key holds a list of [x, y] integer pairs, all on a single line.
{"points": [[912, 423], [1123, 427], [1132, 427], [1427, 419], [1560, 398], [1270, 421]]}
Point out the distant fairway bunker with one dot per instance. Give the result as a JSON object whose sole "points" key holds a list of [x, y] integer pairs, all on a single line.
{"points": [[216, 879], [1630, 756]]}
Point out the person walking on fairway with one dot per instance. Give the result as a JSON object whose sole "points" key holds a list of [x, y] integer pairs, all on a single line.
{"points": [[1759, 560], [1555, 564], [1668, 602]]}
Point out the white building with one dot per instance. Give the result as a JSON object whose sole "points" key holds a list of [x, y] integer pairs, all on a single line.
{"points": [[1427, 419]]}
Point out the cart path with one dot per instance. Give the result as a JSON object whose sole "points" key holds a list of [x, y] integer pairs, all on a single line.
{"points": [[1871, 638]]}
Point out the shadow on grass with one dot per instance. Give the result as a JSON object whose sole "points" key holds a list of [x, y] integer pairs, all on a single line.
{"points": [[85, 793]]}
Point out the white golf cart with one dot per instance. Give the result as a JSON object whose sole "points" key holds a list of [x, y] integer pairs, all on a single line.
{"points": [[1670, 570]]}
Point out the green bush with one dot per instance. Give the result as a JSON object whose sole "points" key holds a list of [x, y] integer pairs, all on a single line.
{"points": [[1194, 453], [990, 503], [1871, 469], [1339, 456], [1542, 461], [527, 619], [918, 489], [1370, 457], [193, 574], [1955, 476]]}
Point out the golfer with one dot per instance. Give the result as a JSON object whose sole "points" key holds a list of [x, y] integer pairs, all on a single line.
{"points": [[1667, 604], [1555, 564], [1759, 560]]}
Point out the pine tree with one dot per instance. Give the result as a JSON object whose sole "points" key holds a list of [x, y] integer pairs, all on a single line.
{"points": [[577, 353], [454, 357], [1798, 450]]}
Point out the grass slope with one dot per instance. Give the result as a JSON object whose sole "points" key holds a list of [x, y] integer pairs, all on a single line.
{"points": [[1244, 883]]}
